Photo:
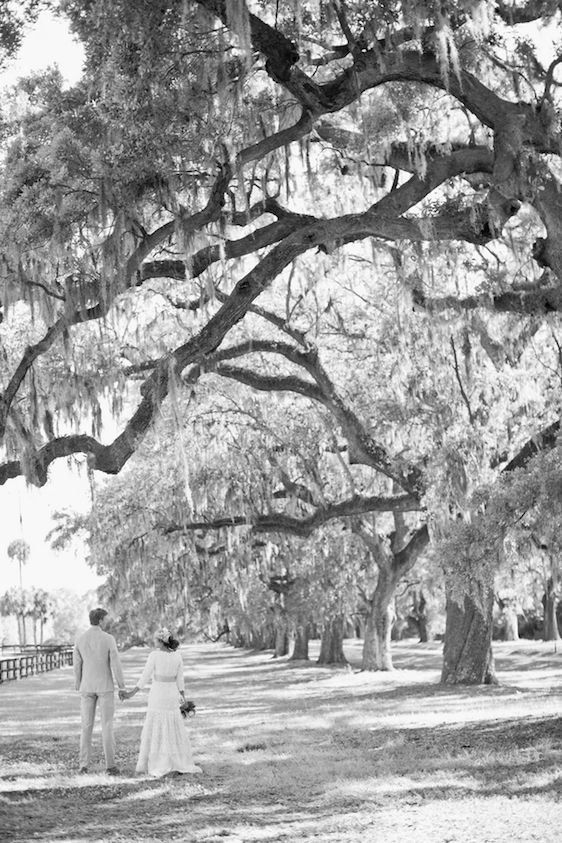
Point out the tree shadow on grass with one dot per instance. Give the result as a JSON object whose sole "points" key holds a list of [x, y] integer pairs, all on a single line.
{"points": [[341, 770], [493, 735], [311, 755]]}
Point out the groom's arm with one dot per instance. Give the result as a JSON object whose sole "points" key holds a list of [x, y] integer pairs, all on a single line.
{"points": [[77, 663], [115, 663]]}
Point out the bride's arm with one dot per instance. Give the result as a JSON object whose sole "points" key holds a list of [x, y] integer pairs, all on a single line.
{"points": [[179, 677], [146, 674]]}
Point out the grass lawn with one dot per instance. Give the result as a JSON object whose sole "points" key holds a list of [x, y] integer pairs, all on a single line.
{"points": [[294, 752]]}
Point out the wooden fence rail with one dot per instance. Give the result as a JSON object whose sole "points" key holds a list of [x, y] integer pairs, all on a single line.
{"points": [[27, 664], [28, 649]]}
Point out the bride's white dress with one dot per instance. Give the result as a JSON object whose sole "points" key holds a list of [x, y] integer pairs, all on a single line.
{"points": [[165, 745]]}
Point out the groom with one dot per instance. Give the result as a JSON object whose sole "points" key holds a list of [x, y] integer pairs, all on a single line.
{"points": [[96, 664]]}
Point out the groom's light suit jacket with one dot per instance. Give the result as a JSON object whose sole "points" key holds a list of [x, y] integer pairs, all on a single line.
{"points": [[96, 662]]}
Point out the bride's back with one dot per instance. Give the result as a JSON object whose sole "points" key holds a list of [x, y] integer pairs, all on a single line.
{"points": [[166, 663]]}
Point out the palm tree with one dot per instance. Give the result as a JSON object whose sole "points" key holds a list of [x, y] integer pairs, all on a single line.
{"points": [[19, 549], [13, 602], [42, 606]]}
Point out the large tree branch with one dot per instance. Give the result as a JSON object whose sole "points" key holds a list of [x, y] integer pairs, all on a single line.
{"points": [[279, 522], [363, 449], [542, 441], [379, 553], [205, 257], [297, 491], [189, 224], [75, 315], [371, 68], [405, 558], [280, 323], [395, 564], [438, 170], [537, 300], [518, 126], [321, 234], [271, 383], [282, 138], [111, 458], [410, 66], [137, 272], [533, 10], [389, 210]]}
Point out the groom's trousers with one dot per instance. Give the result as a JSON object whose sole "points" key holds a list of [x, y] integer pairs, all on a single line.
{"points": [[88, 712]]}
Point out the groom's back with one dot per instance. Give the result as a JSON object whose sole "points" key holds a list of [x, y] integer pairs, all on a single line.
{"points": [[94, 648]]}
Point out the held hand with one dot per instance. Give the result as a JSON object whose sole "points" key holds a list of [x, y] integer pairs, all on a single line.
{"points": [[126, 695]]}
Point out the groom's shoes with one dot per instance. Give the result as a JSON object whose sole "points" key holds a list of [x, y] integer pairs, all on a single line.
{"points": [[83, 770], [113, 771]]}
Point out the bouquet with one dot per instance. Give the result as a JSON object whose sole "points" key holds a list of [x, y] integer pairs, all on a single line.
{"points": [[187, 708]]}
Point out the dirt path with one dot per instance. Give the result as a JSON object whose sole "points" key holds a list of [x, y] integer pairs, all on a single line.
{"points": [[299, 753]]}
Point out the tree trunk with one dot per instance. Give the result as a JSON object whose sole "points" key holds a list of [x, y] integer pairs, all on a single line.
{"points": [[280, 628], [300, 648], [236, 638], [361, 626], [23, 631], [377, 653], [550, 627], [281, 641], [391, 567], [419, 615], [263, 639], [510, 628], [422, 629], [331, 645], [467, 654]]}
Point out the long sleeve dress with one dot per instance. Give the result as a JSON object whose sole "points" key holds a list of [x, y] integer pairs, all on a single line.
{"points": [[165, 745]]}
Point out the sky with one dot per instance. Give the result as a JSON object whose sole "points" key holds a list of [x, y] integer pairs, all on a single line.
{"points": [[26, 512], [47, 43]]}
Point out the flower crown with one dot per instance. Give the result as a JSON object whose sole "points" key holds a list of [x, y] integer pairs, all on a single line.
{"points": [[162, 634]]}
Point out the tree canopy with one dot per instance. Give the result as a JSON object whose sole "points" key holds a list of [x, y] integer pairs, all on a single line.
{"points": [[357, 204], [195, 121]]}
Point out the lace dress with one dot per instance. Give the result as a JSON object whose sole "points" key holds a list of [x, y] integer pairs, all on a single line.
{"points": [[165, 745]]}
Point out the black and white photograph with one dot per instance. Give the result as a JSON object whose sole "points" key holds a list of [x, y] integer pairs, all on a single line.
{"points": [[280, 421]]}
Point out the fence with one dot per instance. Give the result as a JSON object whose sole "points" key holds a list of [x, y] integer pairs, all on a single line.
{"points": [[42, 658], [25, 649]]}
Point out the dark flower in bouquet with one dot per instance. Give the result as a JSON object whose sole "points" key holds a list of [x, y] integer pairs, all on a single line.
{"points": [[187, 708]]}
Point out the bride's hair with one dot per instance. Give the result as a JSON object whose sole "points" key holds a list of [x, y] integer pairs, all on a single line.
{"points": [[166, 638], [172, 643]]}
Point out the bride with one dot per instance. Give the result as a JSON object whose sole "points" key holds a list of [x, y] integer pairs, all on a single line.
{"points": [[165, 746]]}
